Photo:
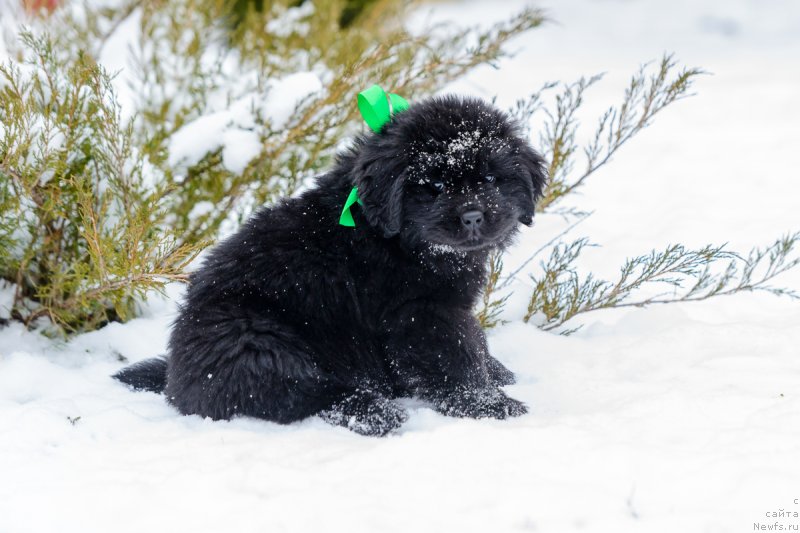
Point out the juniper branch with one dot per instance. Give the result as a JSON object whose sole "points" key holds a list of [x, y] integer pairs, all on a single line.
{"points": [[647, 94], [560, 293], [491, 305]]}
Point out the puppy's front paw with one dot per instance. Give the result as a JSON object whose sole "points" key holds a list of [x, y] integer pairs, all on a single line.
{"points": [[481, 403], [499, 375], [366, 414]]}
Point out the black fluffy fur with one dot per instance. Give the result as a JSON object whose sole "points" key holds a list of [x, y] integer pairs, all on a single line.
{"points": [[149, 375], [296, 315]]}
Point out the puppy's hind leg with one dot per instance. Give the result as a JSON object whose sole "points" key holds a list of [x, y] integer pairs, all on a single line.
{"points": [[224, 367], [366, 413]]}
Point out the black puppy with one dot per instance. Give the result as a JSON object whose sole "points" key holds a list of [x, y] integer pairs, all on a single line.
{"points": [[296, 315]]}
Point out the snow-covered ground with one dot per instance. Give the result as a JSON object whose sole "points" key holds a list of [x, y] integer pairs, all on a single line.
{"points": [[673, 418]]}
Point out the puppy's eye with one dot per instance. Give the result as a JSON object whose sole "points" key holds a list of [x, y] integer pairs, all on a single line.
{"points": [[488, 178], [438, 186]]}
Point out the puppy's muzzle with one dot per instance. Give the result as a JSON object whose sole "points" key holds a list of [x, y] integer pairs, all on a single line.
{"points": [[472, 221]]}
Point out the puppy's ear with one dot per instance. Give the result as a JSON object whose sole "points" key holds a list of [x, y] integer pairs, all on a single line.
{"points": [[534, 175], [380, 187]]}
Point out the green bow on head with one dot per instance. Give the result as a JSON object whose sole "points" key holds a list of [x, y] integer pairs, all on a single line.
{"points": [[376, 108]]}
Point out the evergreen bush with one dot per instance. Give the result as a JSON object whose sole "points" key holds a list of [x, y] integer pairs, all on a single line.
{"points": [[111, 183]]}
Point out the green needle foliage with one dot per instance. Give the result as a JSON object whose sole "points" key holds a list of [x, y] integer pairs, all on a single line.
{"points": [[647, 94], [559, 292], [77, 224], [491, 307]]}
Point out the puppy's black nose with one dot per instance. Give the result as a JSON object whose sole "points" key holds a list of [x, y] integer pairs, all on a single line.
{"points": [[472, 219]]}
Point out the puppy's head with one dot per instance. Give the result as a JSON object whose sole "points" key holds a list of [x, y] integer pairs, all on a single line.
{"points": [[449, 172]]}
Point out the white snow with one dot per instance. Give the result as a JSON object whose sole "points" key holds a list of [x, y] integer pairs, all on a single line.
{"points": [[234, 128], [240, 148], [291, 21], [287, 93], [195, 139], [115, 56], [673, 418], [6, 299]]}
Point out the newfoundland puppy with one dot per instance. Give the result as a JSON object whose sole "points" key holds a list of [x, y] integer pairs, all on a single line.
{"points": [[298, 315]]}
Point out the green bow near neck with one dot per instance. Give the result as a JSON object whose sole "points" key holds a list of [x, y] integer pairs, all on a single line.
{"points": [[376, 108], [347, 217]]}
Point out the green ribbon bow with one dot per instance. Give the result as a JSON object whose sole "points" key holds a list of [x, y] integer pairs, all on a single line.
{"points": [[376, 108], [347, 217]]}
